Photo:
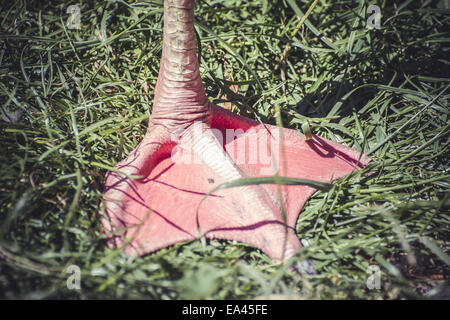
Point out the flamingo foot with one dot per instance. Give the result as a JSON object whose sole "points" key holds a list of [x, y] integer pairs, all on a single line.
{"points": [[169, 202]]}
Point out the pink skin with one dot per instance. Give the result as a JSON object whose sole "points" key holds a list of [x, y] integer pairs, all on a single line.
{"points": [[166, 204]]}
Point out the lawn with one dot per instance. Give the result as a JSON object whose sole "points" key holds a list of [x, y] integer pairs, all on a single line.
{"points": [[75, 100]]}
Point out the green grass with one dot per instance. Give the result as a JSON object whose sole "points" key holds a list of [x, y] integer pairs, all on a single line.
{"points": [[84, 97]]}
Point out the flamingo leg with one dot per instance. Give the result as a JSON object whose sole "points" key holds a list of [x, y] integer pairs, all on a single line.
{"points": [[159, 194]]}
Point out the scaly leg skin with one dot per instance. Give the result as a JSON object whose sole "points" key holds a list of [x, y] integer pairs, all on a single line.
{"points": [[192, 146]]}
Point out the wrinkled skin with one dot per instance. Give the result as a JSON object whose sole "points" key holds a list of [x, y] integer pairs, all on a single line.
{"points": [[166, 203]]}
